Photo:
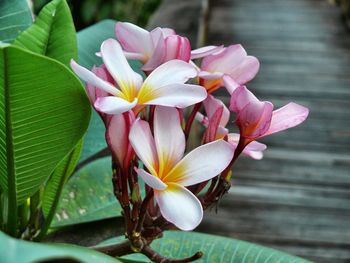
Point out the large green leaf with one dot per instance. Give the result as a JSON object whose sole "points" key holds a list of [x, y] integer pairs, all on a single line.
{"points": [[52, 34], [15, 16], [176, 244], [88, 196], [12, 250], [44, 112], [89, 42], [59, 177]]}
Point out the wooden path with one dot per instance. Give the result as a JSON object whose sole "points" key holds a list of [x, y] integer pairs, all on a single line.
{"points": [[297, 198]]}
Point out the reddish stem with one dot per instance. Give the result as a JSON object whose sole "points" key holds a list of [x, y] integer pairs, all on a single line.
{"points": [[191, 118]]}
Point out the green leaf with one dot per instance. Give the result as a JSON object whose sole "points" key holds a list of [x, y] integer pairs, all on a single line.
{"points": [[52, 34], [13, 250], [15, 16], [176, 244], [54, 186], [89, 42], [59, 177], [44, 112], [88, 196]]}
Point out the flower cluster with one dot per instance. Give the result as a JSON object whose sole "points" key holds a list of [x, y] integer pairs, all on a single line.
{"points": [[147, 128]]}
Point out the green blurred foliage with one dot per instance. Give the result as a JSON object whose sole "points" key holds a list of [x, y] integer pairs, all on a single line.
{"points": [[88, 12]]}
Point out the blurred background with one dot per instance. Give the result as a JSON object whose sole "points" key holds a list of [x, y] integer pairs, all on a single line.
{"points": [[297, 199], [88, 12]]}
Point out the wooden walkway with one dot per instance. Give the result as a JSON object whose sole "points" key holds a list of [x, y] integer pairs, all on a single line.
{"points": [[297, 198]]}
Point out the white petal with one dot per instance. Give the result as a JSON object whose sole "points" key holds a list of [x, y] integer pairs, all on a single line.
{"points": [[117, 65], [205, 51], [175, 95], [151, 180], [114, 105], [202, 164], [92, 79], [171, 72], [137, 56], [133, 38], [143, 144], [180, 207], [210, 75], [169, 138]]}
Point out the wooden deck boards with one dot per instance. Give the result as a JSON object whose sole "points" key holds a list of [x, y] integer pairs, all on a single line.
{"points": [[297, 198]]}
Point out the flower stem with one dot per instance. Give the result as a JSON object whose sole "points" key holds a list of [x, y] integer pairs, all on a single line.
{"points": [[143, 210]]}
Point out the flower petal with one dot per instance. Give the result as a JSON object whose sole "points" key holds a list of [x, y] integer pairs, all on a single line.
{"points": [[225, 60], [287, 117], [201, 164], [180, 207], [177, 47], [254, 119], [117, 136], [172, 72], [117, 65], [136, 56], [113, 105], [169, 138], [151, 180], [94, 92], [142, 141], [133, 38], [92, 79], [253, 149], [210, 75], [230, 84], [158, 56], [246, 70], [240, 97], [211, 105], [205, 51], [174, 95]]}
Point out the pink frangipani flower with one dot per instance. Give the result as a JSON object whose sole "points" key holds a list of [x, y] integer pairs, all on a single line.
{"points": [[164, 86], [216, 120], [156, 47], [257, 119], [232, 61], [170, 172]]}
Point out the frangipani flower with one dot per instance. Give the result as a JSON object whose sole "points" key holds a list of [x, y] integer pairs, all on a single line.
{"points": [[216, 120], [156, 47], [257, 119], [164, 86], [232, 61], [170, 172]]}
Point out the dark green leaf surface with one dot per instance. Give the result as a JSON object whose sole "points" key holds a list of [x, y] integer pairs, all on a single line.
{"points": [[176, 244], [13, 251], [43, 113], [52, 34], [15, 16], [88, 196], [58, 178]]}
